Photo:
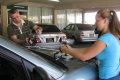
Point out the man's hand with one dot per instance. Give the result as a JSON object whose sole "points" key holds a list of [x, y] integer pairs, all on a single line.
{"points": [[29, 41]]}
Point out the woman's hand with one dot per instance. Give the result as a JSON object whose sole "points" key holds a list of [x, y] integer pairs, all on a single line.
{"points": [[63, 49], [69, 47]]}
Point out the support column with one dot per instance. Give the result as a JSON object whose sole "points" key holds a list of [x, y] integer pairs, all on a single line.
{"points": [[4, 20], [0, 22], [55, 18], [83, 17]]}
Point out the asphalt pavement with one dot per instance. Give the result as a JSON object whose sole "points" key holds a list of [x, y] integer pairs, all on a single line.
{"points": [[82, 45]]}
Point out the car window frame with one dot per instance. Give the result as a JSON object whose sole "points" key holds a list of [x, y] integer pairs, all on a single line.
{"points": [[68, 27], [76, 28], [55, 27], [14, 57], [85, 27], [9, 58], [25, 62], [73, 27]]}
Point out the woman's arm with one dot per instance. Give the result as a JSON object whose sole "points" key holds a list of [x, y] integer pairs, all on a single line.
{"points": [[82, 50], [87, 54]]}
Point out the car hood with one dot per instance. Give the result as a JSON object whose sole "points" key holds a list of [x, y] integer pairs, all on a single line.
{"points": [[84, 73], [77, 69]]}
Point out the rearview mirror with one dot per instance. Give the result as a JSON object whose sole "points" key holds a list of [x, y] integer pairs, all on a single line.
{"points": [[41, 74]]}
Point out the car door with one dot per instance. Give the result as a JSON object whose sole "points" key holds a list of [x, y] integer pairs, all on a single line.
{"points": [[67, 31], [71, 31]]}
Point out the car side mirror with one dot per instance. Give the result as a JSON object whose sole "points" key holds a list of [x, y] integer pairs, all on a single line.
{"points": [[41, 74]]}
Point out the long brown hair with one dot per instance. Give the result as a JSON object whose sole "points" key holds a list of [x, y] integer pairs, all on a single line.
{"points": [[114, 23]]}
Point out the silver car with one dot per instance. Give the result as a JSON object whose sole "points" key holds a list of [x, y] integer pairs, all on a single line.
{"points": [[19, 63], [51, 36], [80, 32]]}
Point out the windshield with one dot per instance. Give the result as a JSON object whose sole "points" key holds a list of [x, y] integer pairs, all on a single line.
{"points": [[85, 27], [46, 57], [49, 28]]}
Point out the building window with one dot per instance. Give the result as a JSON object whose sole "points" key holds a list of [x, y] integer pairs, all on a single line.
{"points": [[61, 19], [118, 14], [34, 14], [70, 16], [47, 15], [65, 17], [90, 18], [78, 17]]}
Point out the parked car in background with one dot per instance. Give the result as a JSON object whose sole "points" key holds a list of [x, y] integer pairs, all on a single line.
{"points": [[80, 32], [19, 63], [50, 37], [97, 31]]}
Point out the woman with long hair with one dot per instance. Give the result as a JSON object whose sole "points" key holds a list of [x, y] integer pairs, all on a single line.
{"points": [[106, 48]]}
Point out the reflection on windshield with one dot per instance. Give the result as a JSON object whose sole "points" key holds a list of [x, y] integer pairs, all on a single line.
{"points": [[85, 27], [49, 28]]}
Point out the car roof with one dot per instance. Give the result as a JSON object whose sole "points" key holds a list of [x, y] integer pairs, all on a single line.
{"points": [[80, 24], [44, 24]]}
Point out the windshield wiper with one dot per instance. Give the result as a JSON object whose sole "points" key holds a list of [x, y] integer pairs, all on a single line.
{"points": [[51, 59]]}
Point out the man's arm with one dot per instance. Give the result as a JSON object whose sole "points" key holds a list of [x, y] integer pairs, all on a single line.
{"points": [[14, 38], [35, 27], [11, 35], [19, 41]]}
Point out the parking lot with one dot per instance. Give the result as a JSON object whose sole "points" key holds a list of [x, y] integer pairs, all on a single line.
{"points": [[33, 34], [82, 45]]}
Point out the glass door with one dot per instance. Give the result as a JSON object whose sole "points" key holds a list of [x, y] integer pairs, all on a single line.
{"points": [[23, 14]]}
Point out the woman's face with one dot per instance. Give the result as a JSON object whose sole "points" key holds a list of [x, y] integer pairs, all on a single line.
{"points": [[99, 22]]}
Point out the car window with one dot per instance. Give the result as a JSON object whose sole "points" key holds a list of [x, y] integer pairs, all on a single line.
{"points": [[49, 28], [79, 27], [68, 27], [72, 27], [10, 68], [34, 71], [85, 27], [13, 69]]}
